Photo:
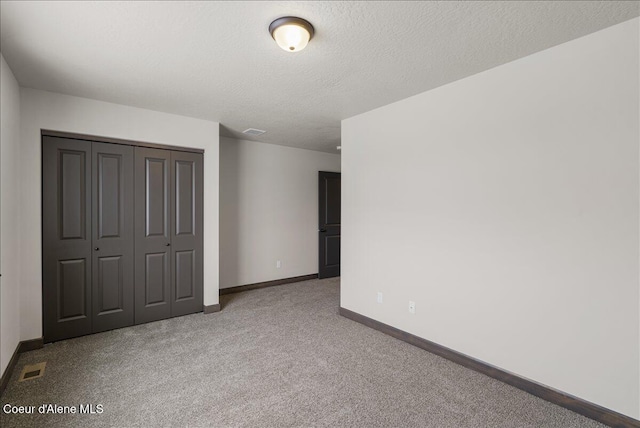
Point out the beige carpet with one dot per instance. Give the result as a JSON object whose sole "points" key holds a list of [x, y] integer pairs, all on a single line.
{"points": [[275, 357]]}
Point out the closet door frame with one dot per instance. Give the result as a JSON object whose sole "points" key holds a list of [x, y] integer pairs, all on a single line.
{"points": [[99, 139]]}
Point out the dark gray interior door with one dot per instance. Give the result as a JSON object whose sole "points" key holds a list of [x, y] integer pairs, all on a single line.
{"points": [[66, 238], [112, 215], [186, 233], [329, 224], [152, 234]]}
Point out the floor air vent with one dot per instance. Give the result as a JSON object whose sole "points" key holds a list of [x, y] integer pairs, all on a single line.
{"points": [[32, 371]]}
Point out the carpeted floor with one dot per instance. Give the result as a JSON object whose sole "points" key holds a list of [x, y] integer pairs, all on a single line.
{"points": [[279, 356]]}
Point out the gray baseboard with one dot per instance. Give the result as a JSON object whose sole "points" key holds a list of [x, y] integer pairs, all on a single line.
{"points": [[563, 399], [209, 309], [23, 346], [265, 284]]}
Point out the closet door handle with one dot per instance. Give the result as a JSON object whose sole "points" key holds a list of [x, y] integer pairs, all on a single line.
{"points": [[168, 244], [97, 248]]}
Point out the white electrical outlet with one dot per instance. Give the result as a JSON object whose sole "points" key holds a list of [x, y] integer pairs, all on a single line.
{"points": [[278, 264], [412, 307], [379, 297]]}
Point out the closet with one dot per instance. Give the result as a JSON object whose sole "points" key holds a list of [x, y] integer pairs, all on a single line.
{"points": [[121, 233]]}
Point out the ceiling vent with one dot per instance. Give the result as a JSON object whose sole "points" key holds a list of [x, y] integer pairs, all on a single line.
{"points": [[253, 131]]}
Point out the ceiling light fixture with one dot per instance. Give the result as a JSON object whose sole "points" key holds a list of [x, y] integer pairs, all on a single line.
{"points": [[292, 34]]}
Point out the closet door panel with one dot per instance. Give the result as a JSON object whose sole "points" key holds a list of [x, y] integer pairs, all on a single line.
{"points": [[186, 233], [112, 220], [66, 238], [152, 234]]}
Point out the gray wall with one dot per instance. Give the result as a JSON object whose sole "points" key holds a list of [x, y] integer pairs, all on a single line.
{"points": [[268, 210], [505, 205], [9, 214]]}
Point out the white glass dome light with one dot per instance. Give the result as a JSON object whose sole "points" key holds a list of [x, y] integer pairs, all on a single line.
{"points": [[290, 33]]}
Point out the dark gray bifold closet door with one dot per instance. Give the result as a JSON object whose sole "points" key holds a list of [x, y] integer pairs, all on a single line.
{"points": [[66, 237], [122, 235], [152, 234], [186, 233], [112, 214]]}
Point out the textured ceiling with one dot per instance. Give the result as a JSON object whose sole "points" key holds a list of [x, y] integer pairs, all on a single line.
{"points": [[217, 61]]}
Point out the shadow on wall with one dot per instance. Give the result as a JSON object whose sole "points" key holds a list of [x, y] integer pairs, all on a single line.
{"points": [[229, 223]]}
